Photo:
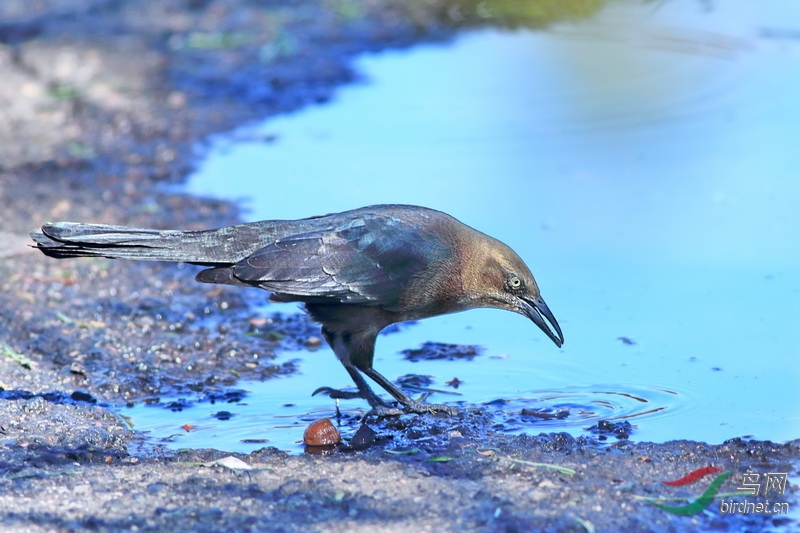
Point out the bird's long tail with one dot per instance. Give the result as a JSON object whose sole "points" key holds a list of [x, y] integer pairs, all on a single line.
{"points": [[210, 247]]}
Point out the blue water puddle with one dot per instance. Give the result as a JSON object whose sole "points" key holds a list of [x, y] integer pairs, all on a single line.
{"points": [[276, 412], [644, 164]]}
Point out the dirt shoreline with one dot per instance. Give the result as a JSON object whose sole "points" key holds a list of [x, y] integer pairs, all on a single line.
{"points": [[103, 103]]}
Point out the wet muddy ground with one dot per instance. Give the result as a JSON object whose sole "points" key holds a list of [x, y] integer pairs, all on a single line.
{"points": [[103, 103]]}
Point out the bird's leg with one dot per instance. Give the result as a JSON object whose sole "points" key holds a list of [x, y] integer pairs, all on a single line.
{"points": [[410, 405], [379, 407], [340, 344], [355, 351], [361, 351]]}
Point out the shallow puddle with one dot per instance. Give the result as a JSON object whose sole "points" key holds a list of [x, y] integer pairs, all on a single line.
{"points": [[644, 164], [520, 398]]}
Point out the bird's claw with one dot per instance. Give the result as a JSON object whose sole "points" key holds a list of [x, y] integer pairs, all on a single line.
{"points": [[421, 408], [418, 408], [382, 411], [337, 394], [381, 408]]}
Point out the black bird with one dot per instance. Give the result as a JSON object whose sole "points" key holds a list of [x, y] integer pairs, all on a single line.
{"points": [[356, 272]]}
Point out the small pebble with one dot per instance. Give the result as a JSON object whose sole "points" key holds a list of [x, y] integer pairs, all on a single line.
{"points": [[313, 342], [321, 433]]}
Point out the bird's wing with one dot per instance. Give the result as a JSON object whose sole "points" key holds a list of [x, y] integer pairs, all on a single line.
{"points": [[363, 260]]}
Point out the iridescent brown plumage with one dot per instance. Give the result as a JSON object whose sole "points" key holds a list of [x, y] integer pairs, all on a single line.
{"points": [[356, 273]]}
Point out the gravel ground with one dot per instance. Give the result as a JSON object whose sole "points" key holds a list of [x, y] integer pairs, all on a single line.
{"points": [[103, 102]]}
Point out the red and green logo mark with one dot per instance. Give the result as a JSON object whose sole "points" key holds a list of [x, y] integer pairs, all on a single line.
{"points": [[704, 500]]}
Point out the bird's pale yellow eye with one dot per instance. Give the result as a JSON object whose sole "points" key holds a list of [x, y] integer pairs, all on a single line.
{"points": [[514, 282]]}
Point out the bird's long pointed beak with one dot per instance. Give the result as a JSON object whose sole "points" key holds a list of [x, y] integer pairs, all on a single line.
{"points": [[537, 311]]}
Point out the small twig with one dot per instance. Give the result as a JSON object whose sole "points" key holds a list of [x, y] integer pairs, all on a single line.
{"points": [[17, 357], [588, 526], [560, 469]]}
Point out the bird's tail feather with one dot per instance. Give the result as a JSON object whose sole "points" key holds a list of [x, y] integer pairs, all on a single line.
{"points": [[74, 239]]}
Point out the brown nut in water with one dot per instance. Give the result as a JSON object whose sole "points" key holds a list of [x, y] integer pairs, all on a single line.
{"points": [[321, 433]]}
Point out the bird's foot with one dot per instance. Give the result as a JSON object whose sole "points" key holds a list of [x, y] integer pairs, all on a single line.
{"points": [[337, 394], [414, 407], [379, 407], [382, 411], [421, 408]]}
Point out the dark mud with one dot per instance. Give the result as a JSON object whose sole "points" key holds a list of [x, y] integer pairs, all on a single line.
{"points": [[103, 103]]}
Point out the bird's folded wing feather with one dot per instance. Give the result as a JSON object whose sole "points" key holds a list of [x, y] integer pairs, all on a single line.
{"points": [[366, 260]]}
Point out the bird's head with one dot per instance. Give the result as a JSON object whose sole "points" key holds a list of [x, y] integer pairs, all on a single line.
{"points": [[500, 279]]}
